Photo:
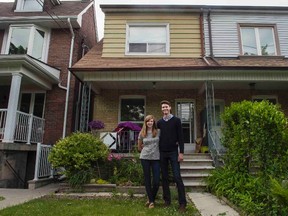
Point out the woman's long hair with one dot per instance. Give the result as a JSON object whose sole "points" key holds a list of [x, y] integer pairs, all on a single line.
{"points": [[144, 129]]}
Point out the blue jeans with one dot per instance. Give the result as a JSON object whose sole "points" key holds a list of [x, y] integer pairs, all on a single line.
{"points": [[172, 157], [154, 166]]}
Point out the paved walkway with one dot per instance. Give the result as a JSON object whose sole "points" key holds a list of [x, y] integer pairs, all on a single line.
{"points": [[209, 205], [206, 203], [19, 196]]}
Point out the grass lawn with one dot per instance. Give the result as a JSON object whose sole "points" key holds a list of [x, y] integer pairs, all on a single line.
{"points": [[116, 205]]}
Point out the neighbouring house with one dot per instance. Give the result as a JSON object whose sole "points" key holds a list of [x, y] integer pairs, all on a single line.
{"points": [[201, 58], [40, 100]]}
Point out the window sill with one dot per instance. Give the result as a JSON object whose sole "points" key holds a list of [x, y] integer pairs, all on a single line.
{"points": [[260, 57]]}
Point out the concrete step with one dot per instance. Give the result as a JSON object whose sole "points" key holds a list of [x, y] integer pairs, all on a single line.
{"points": [[197, 156], [197, 162]]}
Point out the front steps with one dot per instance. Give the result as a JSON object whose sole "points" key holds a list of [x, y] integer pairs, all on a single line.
{"points": [[194, 169]]}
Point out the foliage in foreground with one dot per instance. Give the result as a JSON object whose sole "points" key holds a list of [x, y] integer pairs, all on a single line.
{"points": [[78, 154], [115, 206], [256, 139]]}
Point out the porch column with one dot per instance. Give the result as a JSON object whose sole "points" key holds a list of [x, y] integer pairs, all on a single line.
{"points": [[12, 108]]}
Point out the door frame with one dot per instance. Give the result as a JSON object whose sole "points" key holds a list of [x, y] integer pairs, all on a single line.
{"points": [[187, 100]]}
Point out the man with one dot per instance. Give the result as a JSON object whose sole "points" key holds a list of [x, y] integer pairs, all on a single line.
{"points": [[171, 138]]}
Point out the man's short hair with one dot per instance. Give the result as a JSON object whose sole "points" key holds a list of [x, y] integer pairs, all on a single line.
{"points": [[165, 102]]}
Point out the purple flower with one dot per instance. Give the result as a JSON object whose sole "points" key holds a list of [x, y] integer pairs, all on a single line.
{"points": [[96, 124]]}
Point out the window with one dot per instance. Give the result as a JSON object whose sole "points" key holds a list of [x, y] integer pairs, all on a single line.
{"points": [[258, 41], [29, 5], [132, 109], [271, 98], [29, 40], [33, 103], [152, 39]]}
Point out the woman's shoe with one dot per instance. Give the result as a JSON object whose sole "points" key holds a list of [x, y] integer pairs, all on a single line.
{"points": [[151, 205], [147, 203]]}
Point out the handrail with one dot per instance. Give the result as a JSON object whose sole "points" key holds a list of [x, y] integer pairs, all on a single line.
{"points": [[215, 147]]}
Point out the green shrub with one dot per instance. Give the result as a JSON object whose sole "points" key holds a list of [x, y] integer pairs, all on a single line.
{"points": [[256, 140], [78, 154]]}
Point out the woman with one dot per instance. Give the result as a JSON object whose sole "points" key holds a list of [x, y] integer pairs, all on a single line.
{"points": [[148, 144]]}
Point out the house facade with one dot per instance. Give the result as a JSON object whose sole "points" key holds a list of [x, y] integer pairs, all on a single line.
{"points": [[39, 41], [201, 58]]}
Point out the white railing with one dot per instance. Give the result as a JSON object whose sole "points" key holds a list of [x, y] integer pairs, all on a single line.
{"points": [[42, 166], [121, 141], [3, 115], [29, 128]]}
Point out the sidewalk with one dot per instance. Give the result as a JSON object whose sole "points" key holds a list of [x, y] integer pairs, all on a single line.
{"points": [[209, 205], [19, 196]]}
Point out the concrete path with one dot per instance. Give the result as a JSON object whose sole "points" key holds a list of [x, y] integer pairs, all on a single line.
{"points": [[19, 196], [210, 205]]}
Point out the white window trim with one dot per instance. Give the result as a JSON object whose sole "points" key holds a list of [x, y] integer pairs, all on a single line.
{"points": [[257, 38], [30, 42], [20, 7], [130, 97], [148, 25], [265, 97]]}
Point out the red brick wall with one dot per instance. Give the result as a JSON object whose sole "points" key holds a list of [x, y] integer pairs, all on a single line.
{"points": [[59, 52]]}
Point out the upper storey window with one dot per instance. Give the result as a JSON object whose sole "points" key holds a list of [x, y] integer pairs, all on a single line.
{"points": [[29, 40], [147, 39], [29, 5], [258, 41]]}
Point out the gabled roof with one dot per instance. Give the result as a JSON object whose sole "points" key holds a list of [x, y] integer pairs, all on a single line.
{"points": [[93, 61], [49, 15], [66, 8]]}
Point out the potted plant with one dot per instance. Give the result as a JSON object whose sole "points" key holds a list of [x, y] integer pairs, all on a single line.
{"points": [[95, 126]]}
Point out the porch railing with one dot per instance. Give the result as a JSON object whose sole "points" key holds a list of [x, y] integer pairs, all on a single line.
{"points": [[3, 116], [122, 141], [42, 166], [28, 128], [216, 148]]}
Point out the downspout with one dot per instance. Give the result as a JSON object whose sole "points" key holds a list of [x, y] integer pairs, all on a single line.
{"points": [[203, 53], [210, 38], [210, 34], [68, 78]]}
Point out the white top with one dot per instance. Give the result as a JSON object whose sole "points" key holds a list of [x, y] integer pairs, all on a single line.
{"points": [[150, 149]]}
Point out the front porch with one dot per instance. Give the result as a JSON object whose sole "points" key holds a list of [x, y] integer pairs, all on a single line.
{"points": [[26, 129]]}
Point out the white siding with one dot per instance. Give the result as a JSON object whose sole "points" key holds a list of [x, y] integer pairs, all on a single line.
{"points": [[225, 38]]}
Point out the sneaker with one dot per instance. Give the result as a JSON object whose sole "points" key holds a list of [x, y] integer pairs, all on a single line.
{"points": [[151, 205], [182, 208]]}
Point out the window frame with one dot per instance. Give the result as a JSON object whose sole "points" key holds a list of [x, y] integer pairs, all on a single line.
{"points": [[258, 26], [167, 27], [20, 7], [265, 97], [131, 97], [32, 29], [32, 101]]}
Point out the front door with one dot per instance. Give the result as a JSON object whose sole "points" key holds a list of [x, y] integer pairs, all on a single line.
{"points": [[185, 111]]}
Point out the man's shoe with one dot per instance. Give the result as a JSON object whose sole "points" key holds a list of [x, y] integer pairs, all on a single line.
{"points": [[182, 208]]}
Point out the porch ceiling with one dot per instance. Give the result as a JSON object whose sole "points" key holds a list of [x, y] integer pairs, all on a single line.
{"points": [[34, 72]]}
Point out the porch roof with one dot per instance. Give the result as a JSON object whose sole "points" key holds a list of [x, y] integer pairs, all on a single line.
{"points": [[93, 61], [33, 70]]}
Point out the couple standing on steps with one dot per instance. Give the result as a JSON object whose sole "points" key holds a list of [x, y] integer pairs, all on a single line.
{"points": [[159, 145]]}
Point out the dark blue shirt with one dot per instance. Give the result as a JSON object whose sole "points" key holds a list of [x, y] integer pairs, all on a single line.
{"points": [[171, 136]]}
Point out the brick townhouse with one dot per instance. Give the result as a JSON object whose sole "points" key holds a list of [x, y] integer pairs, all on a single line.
{"points": [[39, 98]]}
